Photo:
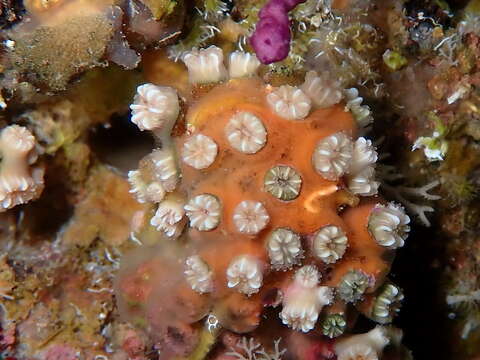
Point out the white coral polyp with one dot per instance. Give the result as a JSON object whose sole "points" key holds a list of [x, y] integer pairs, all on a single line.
{"points": [[361, 179], [153, 106], [199, 151], [143, 192], [307, 276], [204, 212], [168, 217], [205, 65], [250, 217], [363, 183], [20, 181], [19, 189], [364, 154], [245, 274], [242, 64], [304, 300], [330, 244], [165, 168], [322, 91], [289, 102], [198, 274], [333, 155], [246, 133], [388, 225], [361, 113], [284, 249], [367, 346], [17, 139]]}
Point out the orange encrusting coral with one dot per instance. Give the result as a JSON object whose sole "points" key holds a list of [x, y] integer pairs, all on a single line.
{"points": [[235, 176], [265, 208]]}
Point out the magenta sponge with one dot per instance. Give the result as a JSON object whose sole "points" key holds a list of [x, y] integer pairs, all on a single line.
{"points": [[271, 39]]}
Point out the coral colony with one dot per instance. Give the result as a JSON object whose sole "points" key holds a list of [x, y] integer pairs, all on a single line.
{"points": [[260, 210]]}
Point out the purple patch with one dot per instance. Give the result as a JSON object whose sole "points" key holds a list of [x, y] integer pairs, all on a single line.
{"points": [[271, 38]]}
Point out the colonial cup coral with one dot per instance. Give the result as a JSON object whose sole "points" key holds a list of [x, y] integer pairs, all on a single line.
{"points": [[263, 191]]}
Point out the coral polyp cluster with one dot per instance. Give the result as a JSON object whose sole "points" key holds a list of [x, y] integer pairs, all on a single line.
{"points": [[260, 192], [21, 180]]}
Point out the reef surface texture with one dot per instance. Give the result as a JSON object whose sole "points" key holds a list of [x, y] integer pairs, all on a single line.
{"points": [[250, 180]]}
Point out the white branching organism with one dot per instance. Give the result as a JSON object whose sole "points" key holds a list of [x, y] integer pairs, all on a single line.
{"points": [[368, 346], [329, 244], [245, 274], [199, 151], [20, 180], [333, 155], [361, 113], [250, 217], [289, 102], [389, 225], [322, 91], [284, 249], [198, 274], [205, 65], [242, 64], [153, 106], [464, 298], [249, 349], [303, 300], [408, 196], [204, 212], [246, 133]]}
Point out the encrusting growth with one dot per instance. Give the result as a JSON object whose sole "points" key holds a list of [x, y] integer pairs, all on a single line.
{"points": [[271, 190]]}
